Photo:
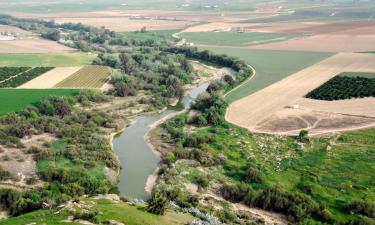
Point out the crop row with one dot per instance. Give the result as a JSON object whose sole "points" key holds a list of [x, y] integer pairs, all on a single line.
{"points": [[7, 72], [87, 77], [343, 87], [24, 77]]}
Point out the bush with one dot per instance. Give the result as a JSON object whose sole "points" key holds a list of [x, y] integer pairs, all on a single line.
{"points": [[157, 204]]}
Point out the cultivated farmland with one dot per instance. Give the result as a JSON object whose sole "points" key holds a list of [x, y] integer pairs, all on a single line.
{"points": [[249, 111], [23, 77], [33, 46], [51, 78], [234, 38], [87, 77], [13, 100]]}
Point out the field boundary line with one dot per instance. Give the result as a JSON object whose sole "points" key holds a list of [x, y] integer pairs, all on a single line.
{"points": [[244, 82]]}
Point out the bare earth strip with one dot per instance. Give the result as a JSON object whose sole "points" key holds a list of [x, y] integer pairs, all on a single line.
{"points": [[360, 107], [251, 110], [33, 46], [324, 43], [51, 78]]}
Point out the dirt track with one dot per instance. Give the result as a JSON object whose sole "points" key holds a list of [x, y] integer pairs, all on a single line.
{"points": [[253, 109], [51, 78]]}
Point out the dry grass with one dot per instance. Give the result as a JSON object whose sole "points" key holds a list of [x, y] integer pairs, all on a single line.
{"points": [[51, 78], [12, 30], [33, 46], [87, 77], [249, 111]]}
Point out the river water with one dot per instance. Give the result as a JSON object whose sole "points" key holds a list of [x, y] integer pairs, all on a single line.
{"points": [[137, 159]]}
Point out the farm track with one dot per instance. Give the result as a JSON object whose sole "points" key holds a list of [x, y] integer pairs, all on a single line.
{"points": [[251, 110]]}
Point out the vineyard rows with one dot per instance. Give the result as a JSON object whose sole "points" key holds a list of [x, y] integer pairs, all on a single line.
{"points": [[87, 77], [23, 77]]}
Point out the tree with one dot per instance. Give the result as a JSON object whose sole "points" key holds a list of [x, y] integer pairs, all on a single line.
{"points": [[303, 134], [127, 63], [157, 204]]}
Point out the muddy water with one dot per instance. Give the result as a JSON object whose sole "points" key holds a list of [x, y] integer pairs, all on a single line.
{"points": [[137, 159]]}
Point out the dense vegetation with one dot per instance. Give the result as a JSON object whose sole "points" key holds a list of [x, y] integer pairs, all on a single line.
{"points": [[7, 72], [24, 77], [73, 164], [344, 87]]}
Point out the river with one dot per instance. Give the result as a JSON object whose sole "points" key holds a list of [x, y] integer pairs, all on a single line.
{"points": [[137, 159]]}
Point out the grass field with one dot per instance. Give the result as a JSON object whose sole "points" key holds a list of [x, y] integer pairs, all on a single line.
{"points": [[271, 66], [121, 212], [53, 60], [357, 74], [87, 77], [13, 100], [235, 39], [156, 35]]}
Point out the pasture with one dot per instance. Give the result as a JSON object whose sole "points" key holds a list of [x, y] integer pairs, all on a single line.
{"points": [[234, 38], [13, 100], [87, 77], [270, 66], [46, 59]]}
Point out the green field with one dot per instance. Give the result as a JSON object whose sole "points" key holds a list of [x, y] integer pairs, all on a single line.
{"points": [[13, 100], [52, 60], [154, 35], [270, 66], [234, 38], [357, 74], [121, 212]]}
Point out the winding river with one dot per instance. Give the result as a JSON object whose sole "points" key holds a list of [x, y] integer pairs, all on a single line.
{"points": [[137, 159]]}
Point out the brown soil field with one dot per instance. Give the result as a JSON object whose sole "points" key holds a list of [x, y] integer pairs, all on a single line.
{"points": [[324, 43], [359, 107], [51, 78], [249, 111], [122, 24], [195, 16], [33, 46], [291, 121]]}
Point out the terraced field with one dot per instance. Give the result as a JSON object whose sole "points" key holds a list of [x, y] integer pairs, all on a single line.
{"points": [[87, 77]]}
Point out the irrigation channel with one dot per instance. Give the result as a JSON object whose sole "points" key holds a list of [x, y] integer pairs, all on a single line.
{"points": [[137, 159]]}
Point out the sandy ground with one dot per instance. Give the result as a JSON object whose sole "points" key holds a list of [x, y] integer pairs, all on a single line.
{"points": [[33, 46], [324, 43], [249, 111], [292, 121], [360, 107], [51, 78], [125, 24]]}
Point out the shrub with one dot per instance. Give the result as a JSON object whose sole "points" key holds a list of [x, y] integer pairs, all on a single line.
{"points": [[157, 204]]}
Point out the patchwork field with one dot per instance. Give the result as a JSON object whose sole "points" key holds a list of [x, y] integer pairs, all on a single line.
{"points": [[46, 59], [87, 77], [235, 38], [270, 66], [122, 24], [13, 100], [249, 111], [51, 78], [33, 46]]}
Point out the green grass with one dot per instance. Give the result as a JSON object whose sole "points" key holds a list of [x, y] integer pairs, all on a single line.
{"points": [[336, 177], [13, 100], [44, 59], [357, 74], [121, 212], [271, 66], [154, 35], [235, 39]]}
